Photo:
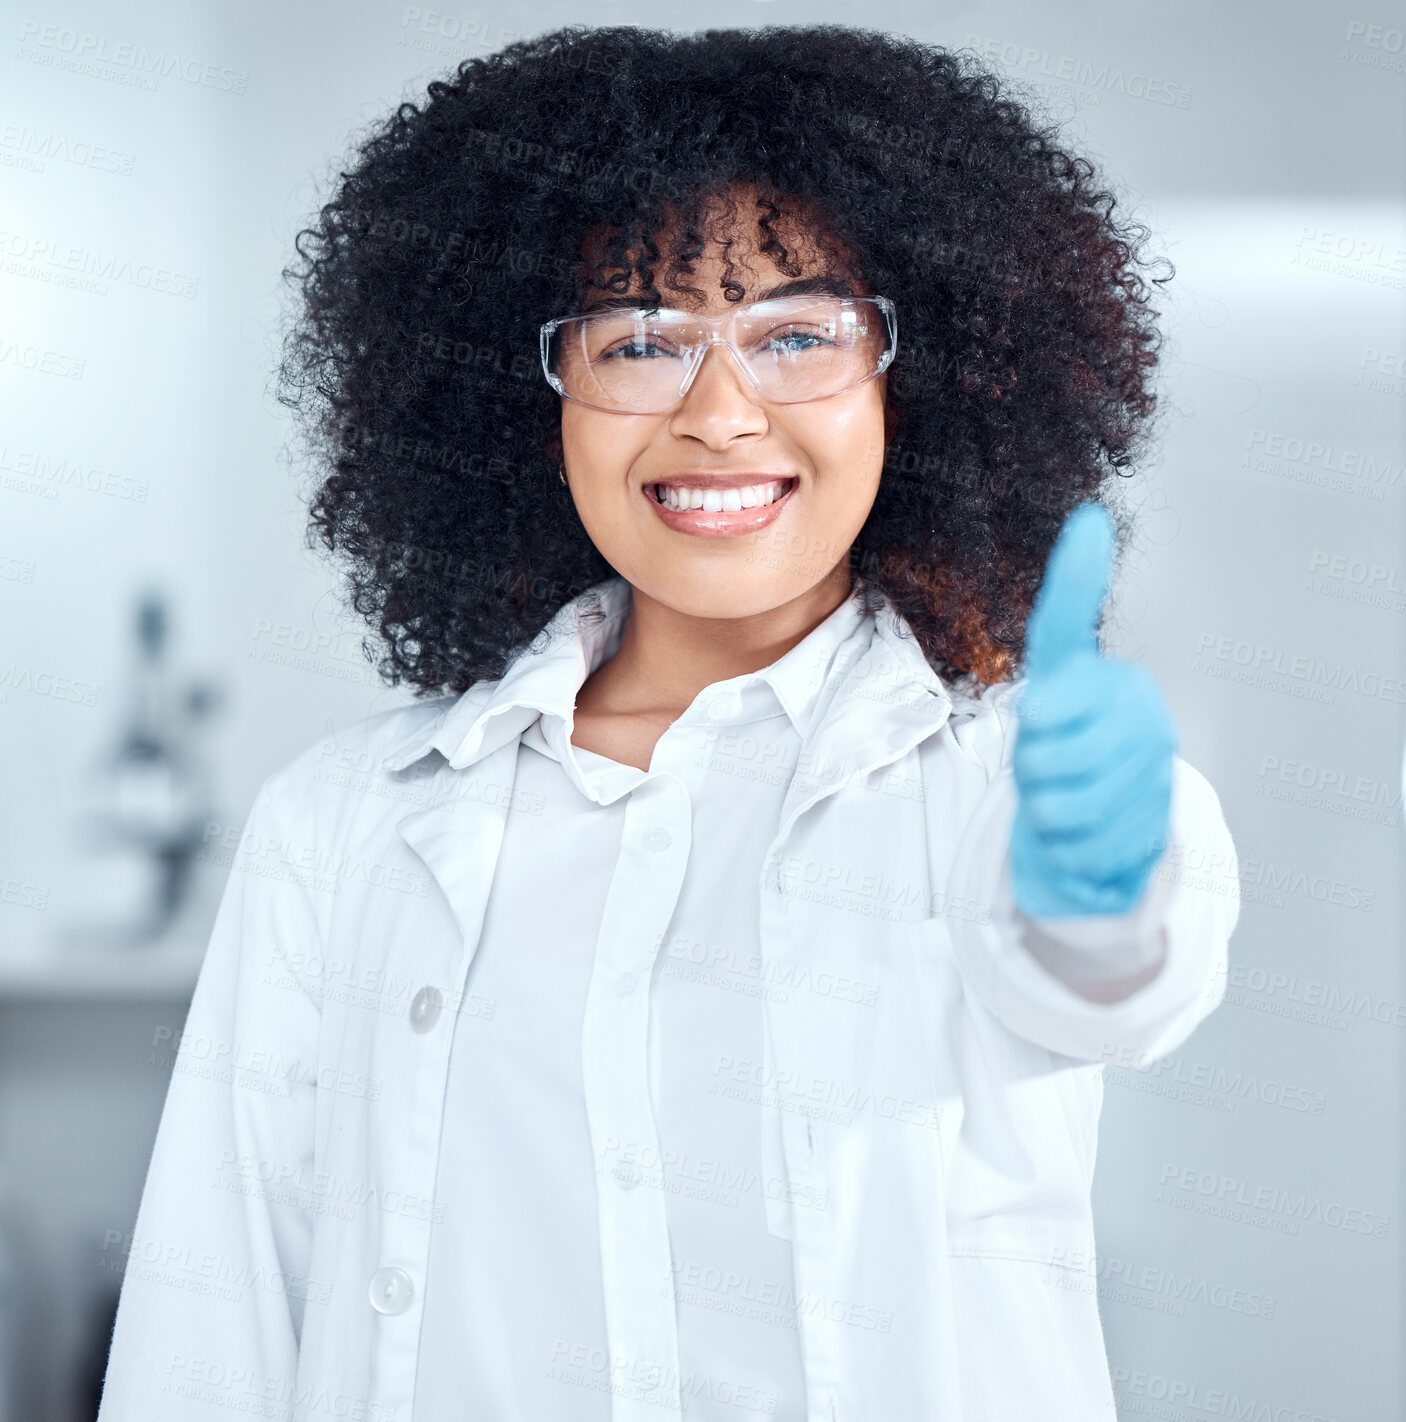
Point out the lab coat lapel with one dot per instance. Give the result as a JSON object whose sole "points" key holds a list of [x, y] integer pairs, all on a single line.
{"points": [[862, 1122], [855, 1112], [877, 707], [459, 839]]}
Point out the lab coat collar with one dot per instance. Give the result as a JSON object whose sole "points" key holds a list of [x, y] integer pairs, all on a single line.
{"points": [[849, 684]]}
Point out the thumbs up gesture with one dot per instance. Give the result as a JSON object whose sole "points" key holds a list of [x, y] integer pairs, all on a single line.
{"points": [[1095, 745]]}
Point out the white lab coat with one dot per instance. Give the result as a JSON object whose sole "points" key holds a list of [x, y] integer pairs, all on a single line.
{"points": [[948, 1126]]}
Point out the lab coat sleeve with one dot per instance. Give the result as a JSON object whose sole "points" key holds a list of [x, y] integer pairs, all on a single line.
{"points": [[1190, 907], [1092, 949], [215, 1282]]}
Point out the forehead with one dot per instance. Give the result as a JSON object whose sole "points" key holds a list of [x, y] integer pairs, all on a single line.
{"points": [[726, 255]]}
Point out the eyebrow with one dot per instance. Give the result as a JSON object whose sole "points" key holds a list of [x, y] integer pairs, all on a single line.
{"points": [[804, 286]]}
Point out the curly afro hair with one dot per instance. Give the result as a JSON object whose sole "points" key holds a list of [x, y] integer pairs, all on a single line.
{"points": [[1026, 333]]}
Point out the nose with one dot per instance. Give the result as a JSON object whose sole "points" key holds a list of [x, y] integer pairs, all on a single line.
{"points": [[741, 375], [719, 401]]}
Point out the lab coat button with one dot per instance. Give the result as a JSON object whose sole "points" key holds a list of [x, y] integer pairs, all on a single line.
{"points": [[657, 839], [391, 1291], [425, 1008], [625, 984]]}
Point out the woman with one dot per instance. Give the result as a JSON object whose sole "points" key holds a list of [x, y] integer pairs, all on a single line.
{"points": [[698, 999]]}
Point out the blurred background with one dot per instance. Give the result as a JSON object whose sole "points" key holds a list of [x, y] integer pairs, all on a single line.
{"points": [[168, 640]]}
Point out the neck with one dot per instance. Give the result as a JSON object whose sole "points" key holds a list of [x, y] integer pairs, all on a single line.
{"points": [[667, 657]]}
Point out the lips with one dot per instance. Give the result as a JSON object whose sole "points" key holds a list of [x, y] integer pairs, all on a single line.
{"points": [[721, 523]]}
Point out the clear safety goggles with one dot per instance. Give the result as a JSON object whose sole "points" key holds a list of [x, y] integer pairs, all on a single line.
{"points": [[641, 361]]}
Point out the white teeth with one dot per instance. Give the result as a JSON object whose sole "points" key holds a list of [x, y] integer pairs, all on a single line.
{"points": [[748, 496]]}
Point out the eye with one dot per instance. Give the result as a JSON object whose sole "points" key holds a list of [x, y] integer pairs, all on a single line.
{"points": [[794, 340], [629, 350]]}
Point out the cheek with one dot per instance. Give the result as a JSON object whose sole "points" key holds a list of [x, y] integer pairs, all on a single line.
{"points": [[847, 450], [585, 439], [853, 426], [599, 450]]}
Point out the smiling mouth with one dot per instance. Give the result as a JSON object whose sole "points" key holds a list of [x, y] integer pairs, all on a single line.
{"points": [[718, 512], [686, 499]]}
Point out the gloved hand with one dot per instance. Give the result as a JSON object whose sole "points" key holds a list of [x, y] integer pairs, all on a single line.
{"points": [[1094, 746]]}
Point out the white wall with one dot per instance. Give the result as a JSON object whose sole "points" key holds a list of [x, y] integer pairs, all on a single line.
{"points": [[1293, 1085]]}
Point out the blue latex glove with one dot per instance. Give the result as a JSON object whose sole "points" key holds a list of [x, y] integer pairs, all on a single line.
{"points": [[1094, 746]]}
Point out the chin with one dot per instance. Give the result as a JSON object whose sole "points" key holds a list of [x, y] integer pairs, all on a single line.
{"points": [[742, 589]]}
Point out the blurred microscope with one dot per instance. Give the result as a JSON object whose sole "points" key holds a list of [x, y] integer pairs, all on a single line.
{"points": [[150, 796]]}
